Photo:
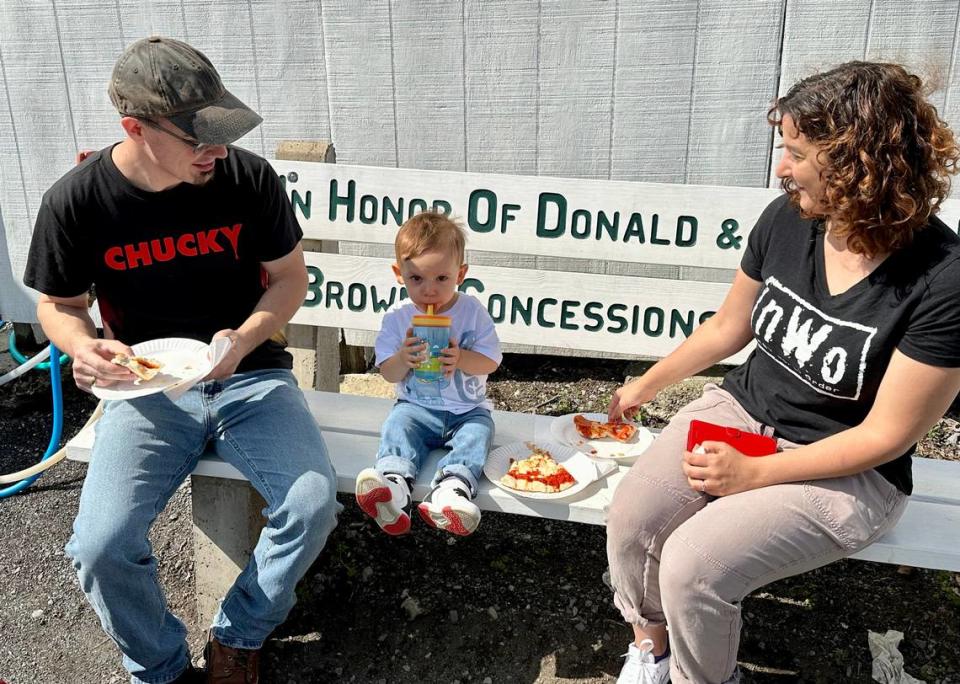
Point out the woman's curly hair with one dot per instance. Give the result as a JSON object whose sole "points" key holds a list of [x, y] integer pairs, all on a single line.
{"points": [[888, 154]]}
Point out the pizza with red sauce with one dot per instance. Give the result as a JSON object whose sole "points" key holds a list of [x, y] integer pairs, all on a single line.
{"points": [[539, 472], [593, 429]]}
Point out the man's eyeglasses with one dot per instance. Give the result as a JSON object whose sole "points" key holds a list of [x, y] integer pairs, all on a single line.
{"points": [[197, 147]]}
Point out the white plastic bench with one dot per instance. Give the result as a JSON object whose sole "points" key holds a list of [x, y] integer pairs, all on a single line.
{"points": [[677, 274]]}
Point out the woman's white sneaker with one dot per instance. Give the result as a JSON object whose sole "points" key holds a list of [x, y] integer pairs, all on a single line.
{"points": [[640, 667]]}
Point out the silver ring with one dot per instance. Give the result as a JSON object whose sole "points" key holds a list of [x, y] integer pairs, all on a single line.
{"points": [[703, 486]]}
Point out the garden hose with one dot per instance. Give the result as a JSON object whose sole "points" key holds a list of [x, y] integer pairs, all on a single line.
{"points": [[51, 453], [20, 358]]}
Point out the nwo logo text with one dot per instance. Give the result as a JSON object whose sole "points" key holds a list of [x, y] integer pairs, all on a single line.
{"points": [[826, 353]]}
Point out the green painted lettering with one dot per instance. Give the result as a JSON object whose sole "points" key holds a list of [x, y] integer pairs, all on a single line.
{"points": [[471, 284], [489, 200], [567, 312], [654, 240], [382, 304], [635, 229], [580, 216], [416, 206], [496, 307], [335, 293], [544, 303], [653, 321], [590, 310], [299, 203], [517, 308], [686, 231], [314, 281], [507, 214], [348, 200], [613, 315], [604, 224], [684, 323], [442, 206], [560, 202], [356, 297], [368, 209], [395, 211]]}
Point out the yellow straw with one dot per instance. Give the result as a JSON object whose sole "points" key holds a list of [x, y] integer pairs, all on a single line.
{"points": [[429, 309]]}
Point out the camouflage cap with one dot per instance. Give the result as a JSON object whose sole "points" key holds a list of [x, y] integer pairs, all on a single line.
{"points": [[164, 78]]}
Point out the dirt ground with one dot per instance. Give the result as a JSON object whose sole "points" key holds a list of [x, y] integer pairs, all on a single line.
{"points": [[522, 600]]}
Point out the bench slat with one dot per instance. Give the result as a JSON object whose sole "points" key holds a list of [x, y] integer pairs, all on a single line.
{"points": [[927, 536]]}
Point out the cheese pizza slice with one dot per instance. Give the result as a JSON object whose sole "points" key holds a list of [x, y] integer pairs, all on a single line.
{"points": [[142, 367], [539, 472]]}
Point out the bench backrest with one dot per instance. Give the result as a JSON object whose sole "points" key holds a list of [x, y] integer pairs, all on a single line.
{"points": [[585, 265]]}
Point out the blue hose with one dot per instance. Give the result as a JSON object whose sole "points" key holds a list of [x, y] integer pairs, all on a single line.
{"points": [[20, 358], [57, 423]]}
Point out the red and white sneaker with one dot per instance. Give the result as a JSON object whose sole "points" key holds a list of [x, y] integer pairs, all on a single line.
{"points": [[386, 499], [449, 508]]}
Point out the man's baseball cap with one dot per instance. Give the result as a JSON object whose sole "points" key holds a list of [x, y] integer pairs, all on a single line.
{"points": [[164, 78]]}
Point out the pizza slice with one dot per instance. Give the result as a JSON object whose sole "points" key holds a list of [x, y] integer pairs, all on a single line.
{"points": [[593, 429], [142, 367], [539, 472]]}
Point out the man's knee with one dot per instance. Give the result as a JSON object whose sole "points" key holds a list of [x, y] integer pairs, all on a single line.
{"points": [[312, 502], [96, 550]]}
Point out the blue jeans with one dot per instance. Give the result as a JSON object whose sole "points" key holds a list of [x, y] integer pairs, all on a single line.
{"points": [[144, 449], [410, 432]]}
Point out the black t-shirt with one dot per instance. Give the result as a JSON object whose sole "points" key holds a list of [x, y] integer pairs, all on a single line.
{"points": [[183, 262], [820, 358]]}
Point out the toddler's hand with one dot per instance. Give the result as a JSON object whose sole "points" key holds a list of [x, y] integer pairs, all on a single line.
{"points": [[449, 358], [413, 351]]}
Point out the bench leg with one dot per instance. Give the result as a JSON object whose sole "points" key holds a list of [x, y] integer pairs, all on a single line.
{"points": [[226, 527]]}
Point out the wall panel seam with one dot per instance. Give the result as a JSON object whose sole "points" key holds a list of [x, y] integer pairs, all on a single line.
{"points": [[613, 86], [13, 128], [693, 83], [256, 73], [326, 69], [393, 88], [66, 81]]}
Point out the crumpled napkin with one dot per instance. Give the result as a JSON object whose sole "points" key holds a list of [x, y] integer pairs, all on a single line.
{"points": [[887, 659], [216, 350]]}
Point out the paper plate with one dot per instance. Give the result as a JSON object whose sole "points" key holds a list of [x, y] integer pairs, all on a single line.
{"points": [[584, 470], [184, 362], [564, 431]]}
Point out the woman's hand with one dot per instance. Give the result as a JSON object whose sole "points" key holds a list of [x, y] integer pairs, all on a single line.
{"points": [[721, 470], [625, 402]]}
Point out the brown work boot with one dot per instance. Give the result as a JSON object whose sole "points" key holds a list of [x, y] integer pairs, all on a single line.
{"points": [[226, 665], [190, 676]]}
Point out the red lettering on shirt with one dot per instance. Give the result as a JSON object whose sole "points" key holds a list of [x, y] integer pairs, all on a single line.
{"points": [[187, 249], [137, 253], [165, 252], [200, 243], [232, 233], [207, 241], [114, 259]]}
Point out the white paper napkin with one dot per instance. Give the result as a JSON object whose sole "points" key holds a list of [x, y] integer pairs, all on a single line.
{"points": [[213, 355]]}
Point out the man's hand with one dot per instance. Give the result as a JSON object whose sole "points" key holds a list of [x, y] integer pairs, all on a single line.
{"points": [[721, 470], [92, 366], [228, 365], [413, 351], [450, 358]]}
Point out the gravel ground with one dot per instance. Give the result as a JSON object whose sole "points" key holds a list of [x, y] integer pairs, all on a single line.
{"points": [[522, 600]]}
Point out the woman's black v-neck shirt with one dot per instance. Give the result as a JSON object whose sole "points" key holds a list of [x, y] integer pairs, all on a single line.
{"points": [[820, 358]]}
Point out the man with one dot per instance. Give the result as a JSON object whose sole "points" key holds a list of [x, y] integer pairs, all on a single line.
{"points": [[183, 236]]}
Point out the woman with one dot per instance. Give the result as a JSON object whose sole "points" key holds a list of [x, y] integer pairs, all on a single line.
{"points": [[851, 289]]}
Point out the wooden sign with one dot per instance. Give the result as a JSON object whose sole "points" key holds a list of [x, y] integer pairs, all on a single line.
{"points": [[624, 314], [652, 223]]}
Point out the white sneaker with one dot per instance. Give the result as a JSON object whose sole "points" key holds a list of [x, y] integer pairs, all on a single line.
{"points": [[386, 499], [640, 668], [449, 507]]}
